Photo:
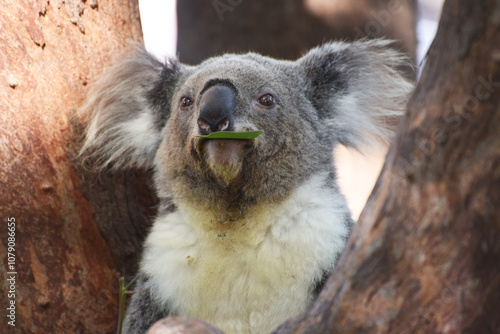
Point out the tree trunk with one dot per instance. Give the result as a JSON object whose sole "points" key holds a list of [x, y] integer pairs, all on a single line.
{"points": [[425, 255], [63, 275]]}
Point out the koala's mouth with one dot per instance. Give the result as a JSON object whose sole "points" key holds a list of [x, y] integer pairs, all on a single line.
{"points": [[224, 156]]}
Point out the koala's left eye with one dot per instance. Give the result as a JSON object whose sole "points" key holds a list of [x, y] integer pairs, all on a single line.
{"points": [[186, 102], [267, 100]]}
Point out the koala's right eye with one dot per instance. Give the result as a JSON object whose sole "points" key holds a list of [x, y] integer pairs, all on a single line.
{"points": [[186, 102], [267, 100]]}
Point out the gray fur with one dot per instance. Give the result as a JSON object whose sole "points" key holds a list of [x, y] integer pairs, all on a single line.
{"points": [[358, 88], [336, 93], [124, 94], [144, 310]]}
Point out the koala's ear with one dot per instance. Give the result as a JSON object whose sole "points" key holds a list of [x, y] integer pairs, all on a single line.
{"points": [[357, 89], [126, 110]]}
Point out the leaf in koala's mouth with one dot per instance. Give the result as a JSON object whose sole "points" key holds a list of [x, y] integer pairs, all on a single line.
{"points": [[232, 135]]}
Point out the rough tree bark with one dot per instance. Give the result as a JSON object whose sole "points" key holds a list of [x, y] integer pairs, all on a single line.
{"points": [[67, 272], [425, 255]]}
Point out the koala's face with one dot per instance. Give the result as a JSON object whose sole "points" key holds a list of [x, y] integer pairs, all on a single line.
{"points": [[146, 113], [241, 93]]}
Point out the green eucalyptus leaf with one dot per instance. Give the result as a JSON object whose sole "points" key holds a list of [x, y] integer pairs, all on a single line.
{"points": [[232, 135]]}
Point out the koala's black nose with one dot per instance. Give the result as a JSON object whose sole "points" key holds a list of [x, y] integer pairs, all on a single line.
{"points": [[216, 109]]}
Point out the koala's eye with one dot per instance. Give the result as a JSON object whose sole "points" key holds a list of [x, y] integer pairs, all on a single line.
{"points": [[267, 100], [186, 102]]}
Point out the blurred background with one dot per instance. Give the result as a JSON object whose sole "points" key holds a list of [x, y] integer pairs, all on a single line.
{"points": [[193, 30]]}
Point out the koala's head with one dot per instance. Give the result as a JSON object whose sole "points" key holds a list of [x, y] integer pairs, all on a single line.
{"points": [[149, 114]]}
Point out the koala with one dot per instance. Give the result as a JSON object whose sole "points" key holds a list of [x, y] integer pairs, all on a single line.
{"points": [[247, 230]]}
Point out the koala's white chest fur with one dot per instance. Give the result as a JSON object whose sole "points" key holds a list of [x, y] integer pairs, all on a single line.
{"points": [[250, 275]]}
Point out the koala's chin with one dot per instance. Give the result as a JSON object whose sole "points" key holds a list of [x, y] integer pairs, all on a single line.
{"points": [[225, 156]]}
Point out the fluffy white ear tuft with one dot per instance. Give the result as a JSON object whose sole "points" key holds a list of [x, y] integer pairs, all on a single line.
{"points": [[123, 113], [358, 89]]}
